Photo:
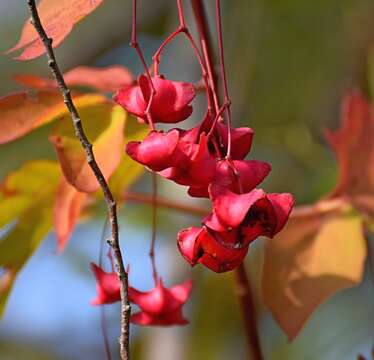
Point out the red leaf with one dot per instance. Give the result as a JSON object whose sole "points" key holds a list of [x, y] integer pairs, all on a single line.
{"points": [[58, 18], [108, 79], [66, 211], [353, 144], [22, 112]]}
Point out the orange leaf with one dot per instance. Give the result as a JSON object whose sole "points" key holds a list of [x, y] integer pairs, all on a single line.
{"points": [[23, 112], [58, 18], [67, 208], [103, 125], [320, 251], [108, 79], [353, 144]]}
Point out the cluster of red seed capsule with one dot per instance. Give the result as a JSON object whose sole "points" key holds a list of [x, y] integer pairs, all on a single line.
{"points": [[209, 160], [200, 159]]}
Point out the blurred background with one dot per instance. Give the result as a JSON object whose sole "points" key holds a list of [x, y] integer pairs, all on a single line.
{"points": [[289, 64]]}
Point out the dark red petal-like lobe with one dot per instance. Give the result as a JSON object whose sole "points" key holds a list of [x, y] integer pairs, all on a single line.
{"points": [[168, 319], [108, 286], [155, 151], [282, 204], [170, 103], [241, 140], [160, 306], [131, 99], [231, 208], [217, 254], [202, 168], [187, 243], [181, 292]]}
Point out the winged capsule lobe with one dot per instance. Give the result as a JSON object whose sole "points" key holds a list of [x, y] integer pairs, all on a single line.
{"points": [[170, 101], [241, 140], [246, 176], [161, 305], [107, 286], [156, 151]]}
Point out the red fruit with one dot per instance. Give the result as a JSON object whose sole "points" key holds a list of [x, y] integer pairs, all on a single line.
{"points": [[194, 166], [170, 103], [160, 306], [156, 151], [250, 174], [219, 252], [241, 141], [255, 213]]}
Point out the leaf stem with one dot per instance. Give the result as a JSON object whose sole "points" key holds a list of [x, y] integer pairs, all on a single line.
{"points": [[111, 203]]}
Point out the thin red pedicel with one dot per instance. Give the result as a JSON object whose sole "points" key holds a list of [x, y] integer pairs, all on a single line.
{"points": [[134, 43], [154, 227], [183, 29], [227, 100]]}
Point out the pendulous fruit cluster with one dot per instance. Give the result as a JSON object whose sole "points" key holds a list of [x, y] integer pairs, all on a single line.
{"points": [[209, 159]]}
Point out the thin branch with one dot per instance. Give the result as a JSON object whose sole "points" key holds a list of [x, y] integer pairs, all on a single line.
{"points": [[111, 203], [164, 203]]}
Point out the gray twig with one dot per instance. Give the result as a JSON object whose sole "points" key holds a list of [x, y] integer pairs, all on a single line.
{"points": [[111, 203]]}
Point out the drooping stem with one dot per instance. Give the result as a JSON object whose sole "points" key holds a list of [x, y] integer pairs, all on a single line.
{"points": [[202, 28], [244, 294], [154, 227], [242, 280], [183, 29], [110, 201], [134, 40], [134, 43], [227, 100]]}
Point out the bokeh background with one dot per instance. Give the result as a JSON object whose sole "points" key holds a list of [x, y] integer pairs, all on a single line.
{"points": [[289, 63]]}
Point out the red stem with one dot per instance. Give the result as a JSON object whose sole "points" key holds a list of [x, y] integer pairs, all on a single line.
{"points": [[227, 100], [183, 29], [245, 297], [244, 291], [134, 43], [154, 227], [201, 22]]}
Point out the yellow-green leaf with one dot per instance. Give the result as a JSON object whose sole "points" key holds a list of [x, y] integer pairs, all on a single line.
{"points": [[103, 125], [29, 192], [128, 170]]}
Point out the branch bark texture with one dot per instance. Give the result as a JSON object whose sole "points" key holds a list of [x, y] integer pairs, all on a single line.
{"points": [[110, 201]]}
